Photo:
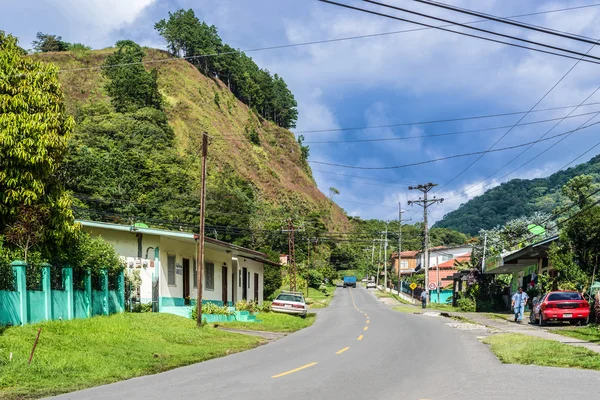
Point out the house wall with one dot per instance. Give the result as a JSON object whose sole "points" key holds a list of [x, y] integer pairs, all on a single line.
{"points": [[444, 273], [252, 268], [439, 256], [412, 264]]}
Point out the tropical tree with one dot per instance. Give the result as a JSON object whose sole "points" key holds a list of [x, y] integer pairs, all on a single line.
{"points": [[46, 43], [34, 129]]}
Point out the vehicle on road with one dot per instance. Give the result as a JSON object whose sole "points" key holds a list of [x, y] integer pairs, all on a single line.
{"points": [[371, 285], [560, 306], [350, 281], [290, 303]]}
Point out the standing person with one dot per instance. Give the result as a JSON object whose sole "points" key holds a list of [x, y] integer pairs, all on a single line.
{"points": [[424, 298], [519, 300]]}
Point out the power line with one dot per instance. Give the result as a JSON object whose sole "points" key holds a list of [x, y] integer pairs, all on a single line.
{"points": [[441, 120], [480, 29], [470, 35], [507, 132], [507, 21], [448, 133], [364, 177], [292, 45], [454, 156]]}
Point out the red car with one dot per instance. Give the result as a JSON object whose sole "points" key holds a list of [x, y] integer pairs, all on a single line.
{"points": [[560, 306]]}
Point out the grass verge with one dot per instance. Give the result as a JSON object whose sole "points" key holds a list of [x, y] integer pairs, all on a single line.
{"points": [[514, 348], [318, 299], [73, 355], [408, 309], [273, 322], [381, 294], [590, 333]]}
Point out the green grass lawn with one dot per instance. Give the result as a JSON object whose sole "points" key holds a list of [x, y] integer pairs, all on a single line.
{"points": [[380, 294], [73, 355], [320, 299], [443, 307], [513, 348], [590, 333], [408, 309], [273, 322]]}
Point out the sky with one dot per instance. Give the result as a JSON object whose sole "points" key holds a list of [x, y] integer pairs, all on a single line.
{"points": [[400, 78]]}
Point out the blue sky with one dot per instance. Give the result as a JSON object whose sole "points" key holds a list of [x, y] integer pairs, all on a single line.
{"points": [[407, 77]]}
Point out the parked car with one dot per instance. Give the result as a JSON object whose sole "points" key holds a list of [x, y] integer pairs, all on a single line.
{"points": [[371, 285], [290, 303], [560, 306]]}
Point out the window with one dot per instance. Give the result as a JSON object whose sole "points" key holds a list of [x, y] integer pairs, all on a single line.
{"points": [[195, 269], [404, 264], [564, 296], [171, 270], [209, 276]]}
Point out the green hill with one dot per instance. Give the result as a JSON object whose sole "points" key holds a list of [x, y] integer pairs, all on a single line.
{"points": [[513, 199], [127, 166]]}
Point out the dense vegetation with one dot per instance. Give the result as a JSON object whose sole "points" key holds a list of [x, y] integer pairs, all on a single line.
{"points": [[516, 198], [200, 44], [36, 221]]}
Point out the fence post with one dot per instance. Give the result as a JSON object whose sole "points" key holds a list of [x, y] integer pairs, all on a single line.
{"points": [[47, 290], [121, 291], [104, 291], [88, 293], [68, 286], [20, 270]]}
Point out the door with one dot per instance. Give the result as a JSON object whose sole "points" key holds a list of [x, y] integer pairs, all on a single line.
{"points": [[244, 283], [186, 281], [256, 287], [224, 285], [233, 286]]}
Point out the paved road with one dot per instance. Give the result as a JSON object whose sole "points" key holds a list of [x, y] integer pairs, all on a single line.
{"points": [[399, 356]]}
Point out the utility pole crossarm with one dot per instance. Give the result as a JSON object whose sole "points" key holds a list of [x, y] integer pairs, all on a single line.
{"points": [[425, 203]]}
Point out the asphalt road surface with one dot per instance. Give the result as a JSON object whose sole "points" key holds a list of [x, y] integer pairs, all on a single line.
{"points": [[360, 349]]}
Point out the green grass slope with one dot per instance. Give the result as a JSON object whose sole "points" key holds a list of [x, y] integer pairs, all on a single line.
{"points": [[194, 104]]}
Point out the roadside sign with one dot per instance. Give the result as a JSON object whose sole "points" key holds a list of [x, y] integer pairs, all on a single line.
{"points": [[432, 286], [413, 286]]}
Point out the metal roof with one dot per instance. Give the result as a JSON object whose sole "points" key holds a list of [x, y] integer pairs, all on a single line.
{"points": [[187, 236]]}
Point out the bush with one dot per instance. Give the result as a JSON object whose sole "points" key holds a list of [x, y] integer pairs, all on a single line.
{"points": [[315, 278], [210, 308], [244, 305], [300, 283], [466, 305], [142, 308], [264, 307]]}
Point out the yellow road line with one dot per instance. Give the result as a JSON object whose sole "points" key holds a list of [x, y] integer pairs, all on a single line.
{"points": [[366, 327], [353, 303], [342, 350], [294, 370], [360, 337]]}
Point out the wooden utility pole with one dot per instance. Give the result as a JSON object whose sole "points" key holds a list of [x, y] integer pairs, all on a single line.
{"points": [[424, 202], [308, 265], [385, 259], [292, 255], [200, 254]]}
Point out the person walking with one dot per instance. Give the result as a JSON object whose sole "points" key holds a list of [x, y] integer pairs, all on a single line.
{"points": [[519, 300], [424, 299]]}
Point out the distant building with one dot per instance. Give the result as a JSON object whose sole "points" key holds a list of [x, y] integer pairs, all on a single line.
{"points": [[284, 259], [447, 268], [408, 262]]}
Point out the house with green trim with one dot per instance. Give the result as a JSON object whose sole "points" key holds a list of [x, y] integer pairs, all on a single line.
{"points": [[166, 263]]}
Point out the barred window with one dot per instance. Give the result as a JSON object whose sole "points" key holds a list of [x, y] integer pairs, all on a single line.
{"points": [[209, 276], [171, 270], [195, 269]]}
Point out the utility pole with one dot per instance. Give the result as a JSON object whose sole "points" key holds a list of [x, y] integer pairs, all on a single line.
{"points": [[385, 259], [483, 258], [308, 266], [399, 243], [425, 203], [200, 254], [379, 262], [372, 256], [292, 255]]}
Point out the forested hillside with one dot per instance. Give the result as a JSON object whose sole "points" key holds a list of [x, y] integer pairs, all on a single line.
{"points": [[135, 152], [515, 198]]}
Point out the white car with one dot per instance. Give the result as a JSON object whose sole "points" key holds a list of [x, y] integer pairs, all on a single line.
{"points": [[290, 303], [371, 285]]}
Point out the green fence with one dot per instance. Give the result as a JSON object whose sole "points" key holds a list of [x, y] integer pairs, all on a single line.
{"points": [[56, 297]]}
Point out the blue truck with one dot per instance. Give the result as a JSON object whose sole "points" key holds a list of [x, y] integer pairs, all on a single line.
{"points": [[350, 281]]}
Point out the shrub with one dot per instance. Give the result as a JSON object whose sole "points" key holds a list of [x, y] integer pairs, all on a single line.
{"points": [[244, 305], [210, 308], [264, 307], [466, 304], [315, 278], [142, 308]]}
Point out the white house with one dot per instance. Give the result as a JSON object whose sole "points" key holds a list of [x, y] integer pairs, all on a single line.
{"points": [[440, 254], [167, 264]]}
